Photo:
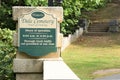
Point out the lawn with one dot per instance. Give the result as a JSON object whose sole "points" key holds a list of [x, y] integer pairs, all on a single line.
{"points": [[91, 53]]}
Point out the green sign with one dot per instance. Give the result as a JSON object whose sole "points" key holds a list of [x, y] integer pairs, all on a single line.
{"points": [[37, 15], [37, 33], [37, 41]]}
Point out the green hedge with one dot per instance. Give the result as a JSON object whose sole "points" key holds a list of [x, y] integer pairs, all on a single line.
{"points": [[7, 53]]}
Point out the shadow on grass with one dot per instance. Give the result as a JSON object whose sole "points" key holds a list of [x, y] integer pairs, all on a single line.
{"points": [[113, 39]]}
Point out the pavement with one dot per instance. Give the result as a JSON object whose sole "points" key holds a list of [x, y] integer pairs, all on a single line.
{"points": [[112, 77]]}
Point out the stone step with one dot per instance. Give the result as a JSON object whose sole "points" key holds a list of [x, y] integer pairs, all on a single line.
{"points": [[99, 24], [96, 33], [98, 30], [98, 27]]}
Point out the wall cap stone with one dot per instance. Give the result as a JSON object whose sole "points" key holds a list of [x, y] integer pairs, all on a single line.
{"points": [[57, 12]]}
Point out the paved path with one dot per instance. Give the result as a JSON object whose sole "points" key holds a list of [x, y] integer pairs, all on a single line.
{"points": [[112, 77]]}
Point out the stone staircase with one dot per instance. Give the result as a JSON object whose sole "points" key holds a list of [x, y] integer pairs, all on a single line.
{"points": [[98, 27], [100, 20]]}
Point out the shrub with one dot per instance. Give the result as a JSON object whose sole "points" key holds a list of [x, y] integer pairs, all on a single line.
{"points": [[7, 53], [72, 13]]}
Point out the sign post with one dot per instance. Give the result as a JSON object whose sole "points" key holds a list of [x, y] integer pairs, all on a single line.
{"points": [[37, 39]]}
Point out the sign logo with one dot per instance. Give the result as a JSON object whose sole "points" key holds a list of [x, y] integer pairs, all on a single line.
{"points": [[37, 15]]}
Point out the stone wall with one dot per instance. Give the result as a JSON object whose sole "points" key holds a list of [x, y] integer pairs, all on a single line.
{"points": [[66, 41]]}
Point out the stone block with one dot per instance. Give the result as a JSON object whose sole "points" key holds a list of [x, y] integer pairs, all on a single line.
{"points": [[27, 66], [15, 38], [56, 11], [22, 55], [31, 65], [57, 70], [60, 37], [29, 76]]}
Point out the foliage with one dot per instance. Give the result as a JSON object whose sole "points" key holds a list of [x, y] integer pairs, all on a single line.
{"points": [[36, 2], [7, 53], [71, 15], [6, 20], [73, 12], [93, 4], [6, 17]]}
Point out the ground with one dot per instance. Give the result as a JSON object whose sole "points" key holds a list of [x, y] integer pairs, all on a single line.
{"points": [[95, 56], [111, 11], [111, 40], [92, 57], [101, 41]]}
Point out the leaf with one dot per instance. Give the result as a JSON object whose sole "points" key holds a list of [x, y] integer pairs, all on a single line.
{"points": [[27, 2]]}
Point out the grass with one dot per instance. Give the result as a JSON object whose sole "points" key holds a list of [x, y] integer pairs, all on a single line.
{"points": [[92, 53]]}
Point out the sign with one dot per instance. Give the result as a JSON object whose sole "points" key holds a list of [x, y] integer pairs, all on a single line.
{"points": [[37, 33]]}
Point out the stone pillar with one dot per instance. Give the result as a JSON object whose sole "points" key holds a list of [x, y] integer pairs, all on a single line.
{"points": [[37, 38]]}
